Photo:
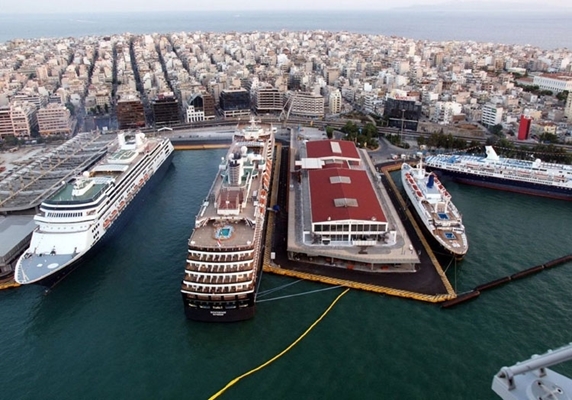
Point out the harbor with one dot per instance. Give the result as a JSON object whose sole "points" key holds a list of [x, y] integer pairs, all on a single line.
{"points": [[420, 276], [125, 296]]}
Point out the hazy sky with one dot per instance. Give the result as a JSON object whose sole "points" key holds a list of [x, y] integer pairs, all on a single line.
{"points": [[59, 6]]}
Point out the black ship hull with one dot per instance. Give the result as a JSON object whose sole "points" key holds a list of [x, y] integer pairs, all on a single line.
{"points": [[530, 188], [230, 312], [129, 211]]}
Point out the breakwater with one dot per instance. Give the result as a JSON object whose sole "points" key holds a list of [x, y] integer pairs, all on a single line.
{"points": [[473, 294]]}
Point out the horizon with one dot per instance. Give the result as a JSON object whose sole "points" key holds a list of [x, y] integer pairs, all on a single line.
{"points": [[298, 6]]}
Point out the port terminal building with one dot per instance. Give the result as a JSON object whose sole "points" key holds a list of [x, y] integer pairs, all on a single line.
{"points": [[339, 213]]}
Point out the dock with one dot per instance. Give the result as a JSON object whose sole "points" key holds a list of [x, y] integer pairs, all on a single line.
{"points": [[428, 283]]}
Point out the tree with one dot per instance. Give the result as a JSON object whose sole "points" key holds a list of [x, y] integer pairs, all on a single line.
{"points": [[329, 132], [496, 129], [562, 96], [71, 108]]}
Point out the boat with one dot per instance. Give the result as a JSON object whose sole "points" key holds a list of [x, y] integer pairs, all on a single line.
{"points": [[225, 247], [83, 213], [522, 176], [532, 379], [434, 208]]}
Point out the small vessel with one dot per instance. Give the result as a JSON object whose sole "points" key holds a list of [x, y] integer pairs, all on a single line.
{"points": [[434, 208], [225, 248], [521, 176], [86, 210], [533, 380]]}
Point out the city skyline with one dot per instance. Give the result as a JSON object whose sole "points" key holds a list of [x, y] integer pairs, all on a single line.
{"points": [[69, 6]]}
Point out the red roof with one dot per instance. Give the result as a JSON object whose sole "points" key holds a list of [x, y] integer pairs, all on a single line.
{"points": [[332, 148], [355, 186]]}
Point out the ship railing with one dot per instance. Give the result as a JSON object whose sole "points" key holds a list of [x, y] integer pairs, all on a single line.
{"points": [[210, 279], [220, 268], [219, 289], [245, 254]]}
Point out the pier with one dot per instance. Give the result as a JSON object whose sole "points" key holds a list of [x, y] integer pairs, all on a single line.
{"points": [[427, 283]]}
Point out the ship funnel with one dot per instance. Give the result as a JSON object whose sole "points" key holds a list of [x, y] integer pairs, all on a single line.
{"points": [[491, 153], [139, 137], [121, 138], [431, 181], [234, 169]]}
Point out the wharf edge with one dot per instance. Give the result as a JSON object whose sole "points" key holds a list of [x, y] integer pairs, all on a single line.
{"points": [[268, 267]]}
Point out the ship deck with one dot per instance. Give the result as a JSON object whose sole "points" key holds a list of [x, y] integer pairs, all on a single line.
{"points": [[213, 227], [214, 235]]}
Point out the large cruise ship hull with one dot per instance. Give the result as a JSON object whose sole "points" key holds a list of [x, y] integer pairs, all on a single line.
{"points": [[530, 188], [232, 313], [59, 274]]}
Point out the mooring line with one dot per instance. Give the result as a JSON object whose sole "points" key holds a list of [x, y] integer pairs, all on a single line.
{"points": [[299, 294]]}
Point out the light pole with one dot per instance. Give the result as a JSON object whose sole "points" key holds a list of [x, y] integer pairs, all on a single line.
{"points": [[401, 131]]}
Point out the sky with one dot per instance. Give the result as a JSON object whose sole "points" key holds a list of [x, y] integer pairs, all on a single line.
{"points": [[67, 6]]}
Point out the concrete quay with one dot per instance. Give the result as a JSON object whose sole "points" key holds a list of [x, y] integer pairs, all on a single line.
{"points": [[426, 283]]}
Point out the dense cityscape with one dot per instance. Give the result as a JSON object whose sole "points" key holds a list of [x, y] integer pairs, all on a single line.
{"points": [[88, 124], [58, 87]]}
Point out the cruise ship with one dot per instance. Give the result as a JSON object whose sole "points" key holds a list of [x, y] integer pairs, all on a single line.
{"points": [[225, 248], [89, 208], [435, 209], [530, 177]]}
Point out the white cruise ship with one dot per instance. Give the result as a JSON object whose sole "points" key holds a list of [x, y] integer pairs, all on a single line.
{"points": [[433, 205], [225, 248], [90, 207], [535, 178]]}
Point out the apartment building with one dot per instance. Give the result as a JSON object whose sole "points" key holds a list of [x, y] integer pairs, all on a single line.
{"points": [[491, 114], [556, 83], [130, 112], [54, 119], [18, 119], [309, 105], [268, 100]]}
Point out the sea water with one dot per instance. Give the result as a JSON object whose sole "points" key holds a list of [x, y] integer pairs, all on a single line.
{"points": [[115, 328]]}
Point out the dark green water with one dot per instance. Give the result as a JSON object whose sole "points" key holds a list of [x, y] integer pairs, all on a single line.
{"points": [[115, 328]]}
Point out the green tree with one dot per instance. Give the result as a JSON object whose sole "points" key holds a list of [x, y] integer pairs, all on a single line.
{"points": [[71, 108], [329, 132], [562, 96], [496, 129]]}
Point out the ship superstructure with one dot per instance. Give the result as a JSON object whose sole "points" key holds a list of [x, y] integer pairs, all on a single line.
{"points": [[433, 205], [522, 176], [88, 208], [224, 253]]}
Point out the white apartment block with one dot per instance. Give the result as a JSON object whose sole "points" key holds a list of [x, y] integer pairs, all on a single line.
{"points": [[445, 110], [568, 107], [553, 82], [194, 115], [491, 115], [55, 119], [335, 102], [307, 105]]}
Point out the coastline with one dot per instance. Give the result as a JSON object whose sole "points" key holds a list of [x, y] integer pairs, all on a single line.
{"points": [[547, 30]]}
